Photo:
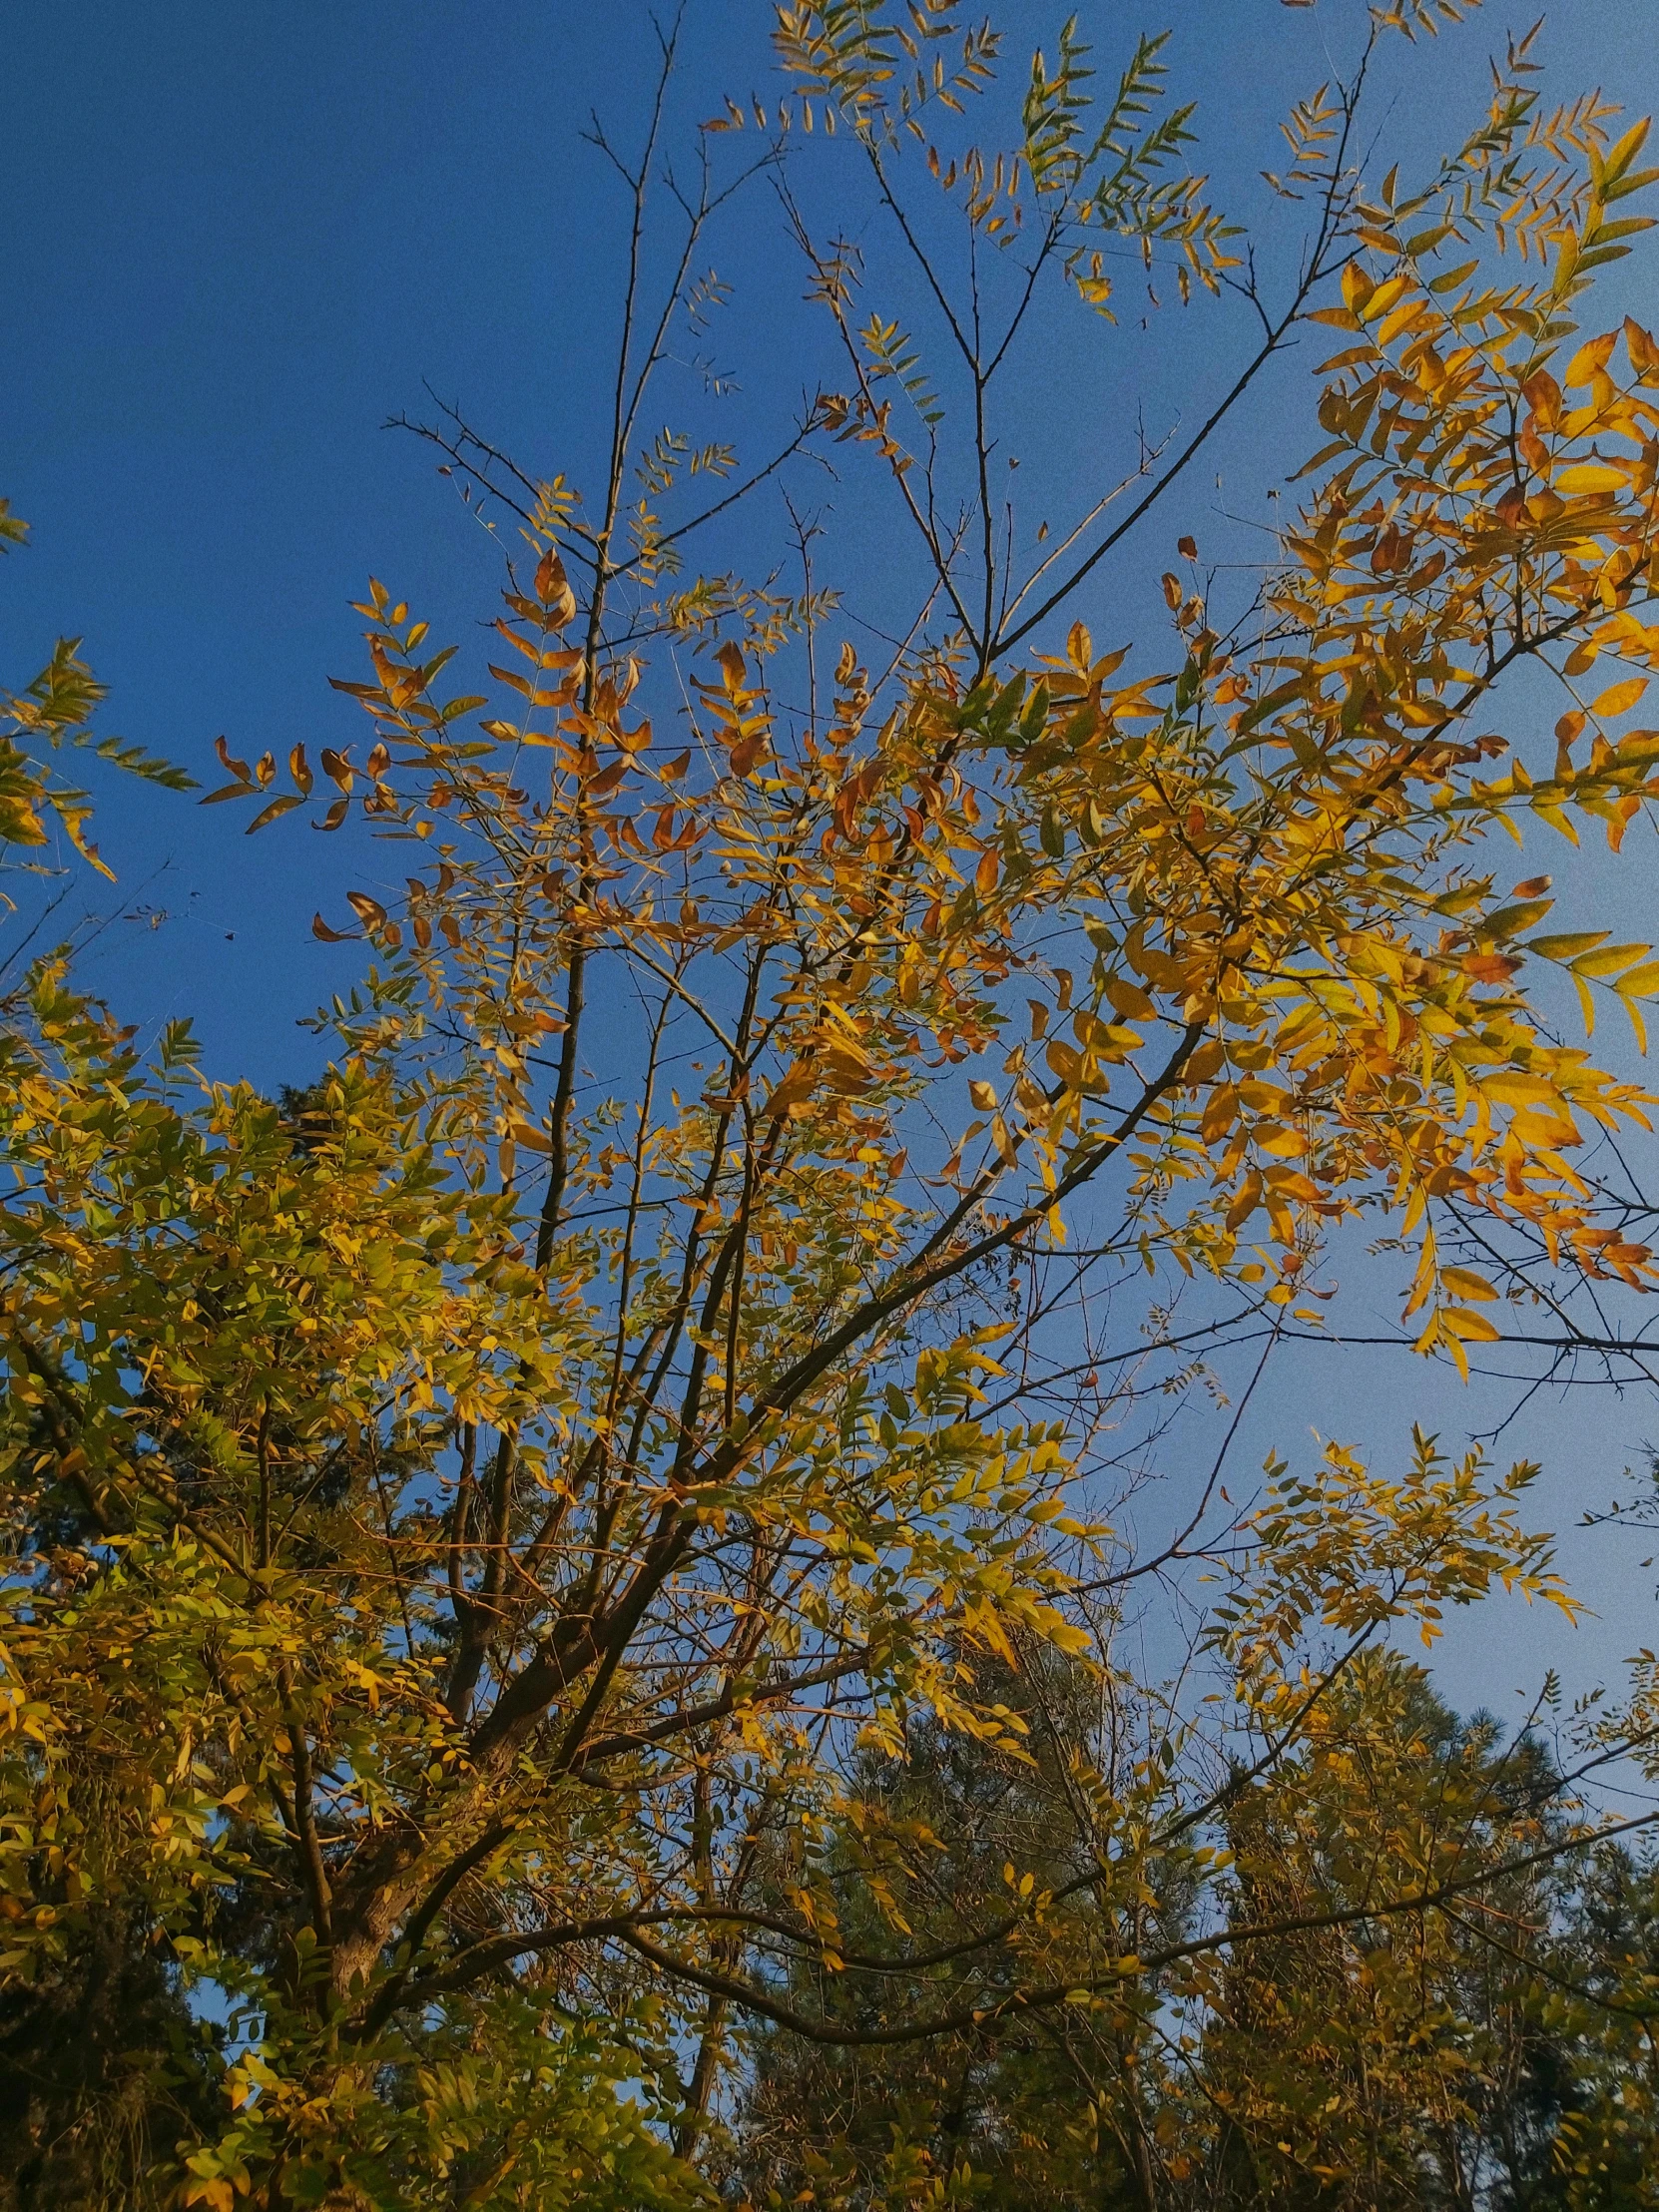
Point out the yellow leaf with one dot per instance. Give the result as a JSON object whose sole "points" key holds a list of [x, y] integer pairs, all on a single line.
{"points": [[1286, 1143], [1618, 699], [19, 824], [1588, 476], [1473, 1327], [1567, 945], [1129, 1001], [1509, 1088], [1357, 288], [1384, 297], [1610, 958]]}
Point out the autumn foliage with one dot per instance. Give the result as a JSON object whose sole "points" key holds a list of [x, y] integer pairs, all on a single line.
{"points": [[483, 1535]]}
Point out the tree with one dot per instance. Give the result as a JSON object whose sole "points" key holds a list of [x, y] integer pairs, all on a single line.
{"points": [[55, 711], [471, 1527], [1358, 2062], [1496, 2054], [1046, 2110]]}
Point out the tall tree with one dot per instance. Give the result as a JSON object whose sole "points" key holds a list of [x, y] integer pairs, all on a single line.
{"points": [[464, 1525], [1498, 2054], [1040, 2111]]}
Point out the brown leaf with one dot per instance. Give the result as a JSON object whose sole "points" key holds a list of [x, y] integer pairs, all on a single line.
{"points": [[238, 768], [1490, 968]]}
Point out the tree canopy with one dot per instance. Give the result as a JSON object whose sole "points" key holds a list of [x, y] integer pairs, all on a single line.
{"points": [[569, 1583]]}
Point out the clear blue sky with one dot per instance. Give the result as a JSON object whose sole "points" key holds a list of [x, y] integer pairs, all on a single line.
{"points": [[235, 241]]}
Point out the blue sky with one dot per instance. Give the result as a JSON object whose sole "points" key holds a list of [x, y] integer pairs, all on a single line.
{"points": [[235, 241]]}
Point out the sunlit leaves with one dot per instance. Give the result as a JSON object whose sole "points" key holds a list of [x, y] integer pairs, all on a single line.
{"points": [[892, 353], [1350, 1549], [55, 711], [877, 70], [501, 1492]]}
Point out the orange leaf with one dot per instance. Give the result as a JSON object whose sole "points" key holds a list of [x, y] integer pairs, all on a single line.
{"points": [[1591, 358], [1245, 1204], [553, 588], [1644, 354], [1543, 395], [1490, 967]]}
